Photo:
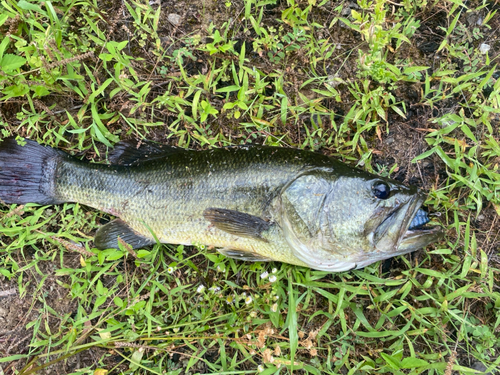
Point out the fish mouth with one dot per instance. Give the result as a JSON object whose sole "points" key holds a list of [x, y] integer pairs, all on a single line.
{"points": [[415, 232], [398, 234]]}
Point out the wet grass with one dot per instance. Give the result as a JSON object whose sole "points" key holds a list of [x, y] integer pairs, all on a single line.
{"points": [[355, 81]]}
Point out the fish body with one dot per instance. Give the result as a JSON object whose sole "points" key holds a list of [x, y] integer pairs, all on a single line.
{"points": [[251, 202]]}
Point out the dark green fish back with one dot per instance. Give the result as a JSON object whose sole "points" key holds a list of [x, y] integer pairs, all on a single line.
{"points": [[243, 178], [168, 194]]}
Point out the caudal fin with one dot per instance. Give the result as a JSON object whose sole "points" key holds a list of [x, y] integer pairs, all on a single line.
{"points": [[27, 172]]}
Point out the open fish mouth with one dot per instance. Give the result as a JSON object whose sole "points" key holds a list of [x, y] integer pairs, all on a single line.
{"points": [[405, 228], [417, 233], [419, 227], [419, 220]]}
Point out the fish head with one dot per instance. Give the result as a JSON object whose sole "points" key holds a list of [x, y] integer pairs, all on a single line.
{"points": [[340, 221]]}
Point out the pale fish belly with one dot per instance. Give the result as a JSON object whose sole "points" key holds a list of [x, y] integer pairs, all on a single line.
{"points": [[198, 231]]}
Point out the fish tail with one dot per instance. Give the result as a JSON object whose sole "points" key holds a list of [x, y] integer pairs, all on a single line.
{"points": [[27, 172]]}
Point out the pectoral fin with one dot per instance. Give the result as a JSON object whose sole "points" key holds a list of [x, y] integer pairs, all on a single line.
{"points": [[107, 236], [237, 223], [244, 255]]}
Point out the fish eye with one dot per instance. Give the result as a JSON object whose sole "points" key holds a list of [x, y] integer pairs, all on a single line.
{"points": [[381, 190]]}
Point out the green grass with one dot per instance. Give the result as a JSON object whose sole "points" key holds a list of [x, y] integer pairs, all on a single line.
{"points": [[319, 75]]}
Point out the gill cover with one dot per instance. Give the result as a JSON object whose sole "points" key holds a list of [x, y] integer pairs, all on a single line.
{"points": [[304, 220]]}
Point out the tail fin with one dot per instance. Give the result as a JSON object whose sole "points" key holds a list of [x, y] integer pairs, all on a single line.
{"points": [[27, 172]]}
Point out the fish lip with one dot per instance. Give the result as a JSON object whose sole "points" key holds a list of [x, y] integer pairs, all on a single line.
{"points": [[411, 206], [415, 204], [432, 230]]}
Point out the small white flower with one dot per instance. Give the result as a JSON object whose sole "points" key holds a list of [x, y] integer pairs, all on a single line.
{"points": [[170, 270], [260, 368], [274, 270], [214, 289], [272, 278], [264, 274], [200, 289], [483, 48], [274, 307], [229, 300], [248, 300]]}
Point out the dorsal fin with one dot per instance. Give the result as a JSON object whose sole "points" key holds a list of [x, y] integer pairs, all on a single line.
{"points": [[130, 152]]}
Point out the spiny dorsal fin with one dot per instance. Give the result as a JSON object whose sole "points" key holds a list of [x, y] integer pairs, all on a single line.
{"points": [[237, 223], [243, 255], [107, 236], [128, 153]]}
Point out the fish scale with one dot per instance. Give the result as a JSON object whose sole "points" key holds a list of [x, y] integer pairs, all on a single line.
{"points": [[171, 194]]}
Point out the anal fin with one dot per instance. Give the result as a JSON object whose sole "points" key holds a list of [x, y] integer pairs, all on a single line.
{"points": [[107, 236], [237, 223], [243, 255]]}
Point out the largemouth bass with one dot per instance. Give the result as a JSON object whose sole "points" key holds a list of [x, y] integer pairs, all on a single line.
{"points": [[253, 203]]}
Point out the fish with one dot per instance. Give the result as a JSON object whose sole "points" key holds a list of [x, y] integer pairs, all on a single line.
{"points": [[250, 202]]}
